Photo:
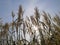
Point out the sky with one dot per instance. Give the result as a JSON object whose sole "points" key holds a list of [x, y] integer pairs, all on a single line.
{"points": [[7, 6]]}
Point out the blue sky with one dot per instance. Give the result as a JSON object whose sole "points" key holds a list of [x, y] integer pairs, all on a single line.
{"points": [[7, 6]]}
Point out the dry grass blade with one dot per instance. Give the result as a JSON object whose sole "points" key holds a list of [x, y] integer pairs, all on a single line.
{"points": [[37, 14]]}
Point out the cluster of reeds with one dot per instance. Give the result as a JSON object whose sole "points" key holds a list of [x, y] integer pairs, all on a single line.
{"points": [[48, 29]]}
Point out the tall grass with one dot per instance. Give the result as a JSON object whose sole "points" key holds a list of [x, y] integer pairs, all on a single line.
{"points": [[48, 28]]}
